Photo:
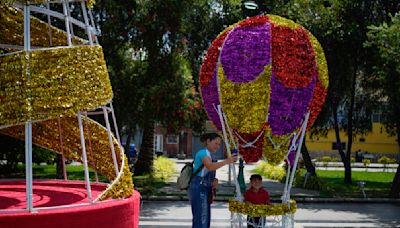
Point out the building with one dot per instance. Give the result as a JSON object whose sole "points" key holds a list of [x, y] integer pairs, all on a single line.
{"points": [[377, 142]]}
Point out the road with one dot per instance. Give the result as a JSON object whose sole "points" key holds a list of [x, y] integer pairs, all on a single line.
{"points": [[178, 214]]}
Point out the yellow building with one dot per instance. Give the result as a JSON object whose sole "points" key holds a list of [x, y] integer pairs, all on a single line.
{"points": [[375, 142]]}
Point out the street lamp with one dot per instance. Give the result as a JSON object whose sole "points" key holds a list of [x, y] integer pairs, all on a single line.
{"points": [[250, 5], [255, 7]]}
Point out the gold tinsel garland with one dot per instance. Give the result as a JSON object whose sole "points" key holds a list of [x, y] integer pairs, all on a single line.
{"points": [[275, 152], [320, 59], [123, 186], [52, 85], [62, 81], [12, 30], [46, 135], [89, 3], [281, 21], [258, 210]]}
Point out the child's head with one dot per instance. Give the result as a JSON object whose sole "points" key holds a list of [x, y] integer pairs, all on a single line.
{"points": [[256, 181]]}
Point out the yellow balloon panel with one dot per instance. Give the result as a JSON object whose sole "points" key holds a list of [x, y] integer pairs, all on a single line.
{"points": [[246, 105]]}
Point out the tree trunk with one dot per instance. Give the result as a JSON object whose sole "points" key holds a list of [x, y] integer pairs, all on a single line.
{"points": [[59, 167], [346, 164], [395, 189], [128, 141], [307, 159], [144, 164]]}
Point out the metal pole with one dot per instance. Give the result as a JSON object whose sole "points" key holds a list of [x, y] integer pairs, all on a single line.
{"points": [[93, 26], [84, 158], [28, 165], [86, 19], [228, 148], [121, 151], [28, 124], [110, 140], [115, 122], [90, 147], [49, 25], [67, 29], [303, 131], [69, 15]]}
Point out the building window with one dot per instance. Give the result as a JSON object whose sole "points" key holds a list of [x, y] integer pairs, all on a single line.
{"points": [[172, 139], [336, 146], [158, 143]]}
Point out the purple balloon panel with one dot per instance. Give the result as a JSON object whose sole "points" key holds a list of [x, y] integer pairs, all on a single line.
{"points": [[288, 106], [211, 100], [245, 52]]}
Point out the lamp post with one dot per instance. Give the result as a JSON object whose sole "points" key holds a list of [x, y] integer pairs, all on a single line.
{"points": [[250, 5], [254, 7], [249, 8]]}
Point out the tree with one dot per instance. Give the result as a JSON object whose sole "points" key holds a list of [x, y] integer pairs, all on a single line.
{"points": [[166, 32], [385, 38], [202, 24], [12, 152], [341, 27]]}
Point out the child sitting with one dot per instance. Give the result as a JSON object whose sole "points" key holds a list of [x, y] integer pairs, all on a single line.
{"points": [[256, 195]]}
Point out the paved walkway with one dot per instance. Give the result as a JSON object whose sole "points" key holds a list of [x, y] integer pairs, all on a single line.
{"points": [[226, 188], [177, 215]]}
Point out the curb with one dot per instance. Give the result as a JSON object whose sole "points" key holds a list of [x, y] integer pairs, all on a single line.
{"points": [[276, 199]]}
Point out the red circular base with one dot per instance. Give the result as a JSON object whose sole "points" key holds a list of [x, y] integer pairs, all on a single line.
{"points": [[48, 193]]}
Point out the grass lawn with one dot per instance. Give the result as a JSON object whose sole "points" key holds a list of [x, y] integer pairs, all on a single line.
{"points": [[49, 172], [377, 184], [148, 185]]}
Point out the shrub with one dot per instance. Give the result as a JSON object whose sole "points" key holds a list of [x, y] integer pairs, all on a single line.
{"points": [[366, 162], [164, 168], [313, 182], [385, 161], [325, 160], [269, 171]]}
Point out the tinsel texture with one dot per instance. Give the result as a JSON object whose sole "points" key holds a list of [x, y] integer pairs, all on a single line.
{"points": [[259, 210], [267, 73]]}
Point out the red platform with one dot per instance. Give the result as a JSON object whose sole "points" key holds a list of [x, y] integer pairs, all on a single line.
{"points": [[76, 213]]}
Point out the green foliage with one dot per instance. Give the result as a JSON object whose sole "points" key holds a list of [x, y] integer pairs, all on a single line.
{"points": [[269, 171], [40, 155], [164, 168], [377, 184], [312, 182], [147, 184], [366, 162], [326, 160], [386, 160], [385, 40], [11, 152], [49, 172], [352, 159]]}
